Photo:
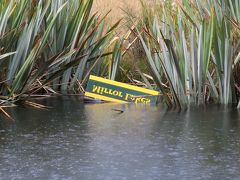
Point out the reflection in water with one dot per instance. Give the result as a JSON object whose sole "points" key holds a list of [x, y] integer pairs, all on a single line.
{"points": [[77, 141]]}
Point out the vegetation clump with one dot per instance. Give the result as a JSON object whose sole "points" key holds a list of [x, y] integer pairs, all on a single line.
{"points": [[49, 46], [191, 49]]}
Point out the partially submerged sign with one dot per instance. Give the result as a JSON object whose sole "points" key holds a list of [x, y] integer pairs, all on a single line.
{"points": [[114, 91]]}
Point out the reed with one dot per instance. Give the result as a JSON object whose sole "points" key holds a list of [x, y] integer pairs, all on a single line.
{"points": [[50, 46], [193, 48], [118, 9]]}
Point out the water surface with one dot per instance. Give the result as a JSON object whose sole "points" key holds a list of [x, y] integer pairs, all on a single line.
{"points": [[73, 140]]}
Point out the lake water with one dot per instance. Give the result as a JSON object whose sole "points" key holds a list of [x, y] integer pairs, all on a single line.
{"points": [[73, 140]]}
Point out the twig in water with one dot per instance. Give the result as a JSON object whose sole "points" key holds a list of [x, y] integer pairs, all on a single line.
{"points": [[118, 110], [6, 114]]}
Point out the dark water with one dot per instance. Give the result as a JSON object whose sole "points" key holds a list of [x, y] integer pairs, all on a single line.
{"points": [[91, 141]]}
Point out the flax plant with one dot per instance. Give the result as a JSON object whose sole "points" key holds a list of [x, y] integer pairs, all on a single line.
{"points": [[194, 45], [49, 46]]}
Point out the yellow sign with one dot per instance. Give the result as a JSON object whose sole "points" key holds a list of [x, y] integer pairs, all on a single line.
{"points": [[113, 91]]}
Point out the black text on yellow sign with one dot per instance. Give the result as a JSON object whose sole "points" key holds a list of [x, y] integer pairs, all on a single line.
{"points": [[113, 91]]}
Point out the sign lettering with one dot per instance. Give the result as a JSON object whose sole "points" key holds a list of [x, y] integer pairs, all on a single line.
{"points": [[114, 91]]}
